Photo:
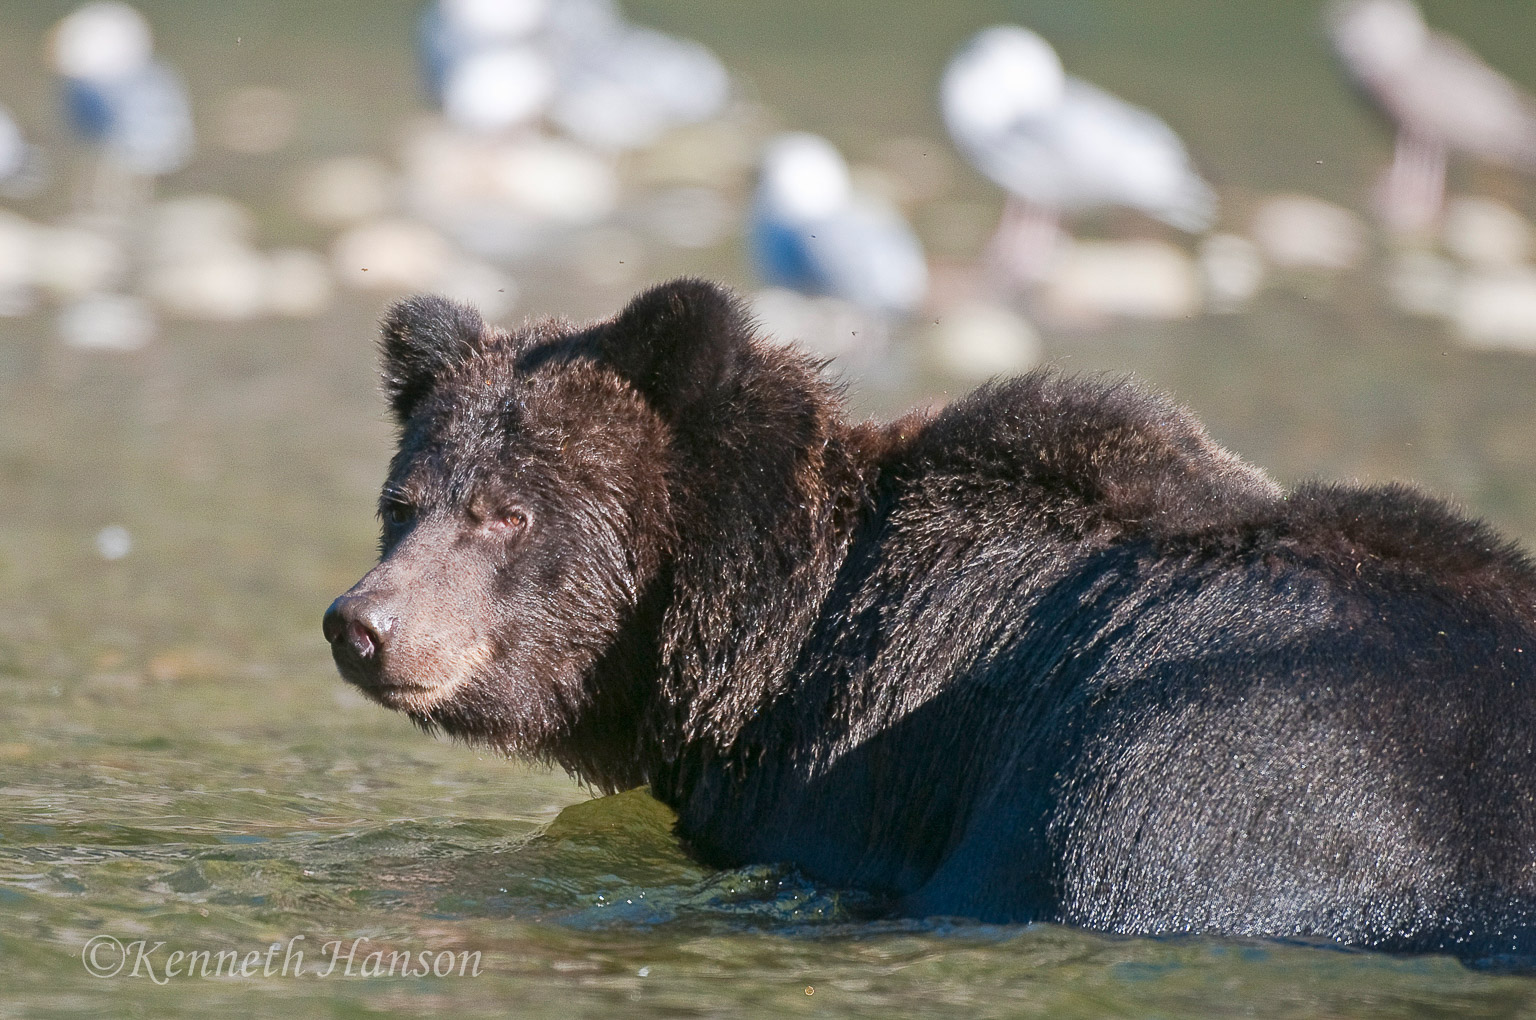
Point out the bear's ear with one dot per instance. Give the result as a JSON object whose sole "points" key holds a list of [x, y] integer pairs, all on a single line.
{"points": [[679, 343], [420, 338]]}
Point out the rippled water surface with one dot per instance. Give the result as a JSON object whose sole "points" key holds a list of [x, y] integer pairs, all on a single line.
{"points": [[180, 770]]}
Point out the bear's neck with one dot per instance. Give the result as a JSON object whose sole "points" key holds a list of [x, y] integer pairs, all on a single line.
{"points": [[764, 510]]}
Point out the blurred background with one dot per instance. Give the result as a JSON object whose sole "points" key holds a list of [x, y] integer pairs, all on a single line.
{"points": [[1324, 249], [189, 294]]}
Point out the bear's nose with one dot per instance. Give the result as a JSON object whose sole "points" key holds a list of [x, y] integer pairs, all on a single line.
{"points": [[357, 624]]}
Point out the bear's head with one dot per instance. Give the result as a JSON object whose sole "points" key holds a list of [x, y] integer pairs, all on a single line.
{"points": [[527, 519]]}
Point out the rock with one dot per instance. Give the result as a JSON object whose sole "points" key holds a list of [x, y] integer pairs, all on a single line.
{"points": [[226, 283], [1233, 271], [18, 264], [555, 180], [342, 191], [390, 255], [190, 227], [1302, 232], [976, 341], [113, 542], [500, 88], [74, 261], [1497, 309], [107, 322], [1486, 233], [1093, 280]]}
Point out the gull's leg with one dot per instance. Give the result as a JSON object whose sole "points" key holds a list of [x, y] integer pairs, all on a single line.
{"points": [[1412, 192], [1021, 252]]}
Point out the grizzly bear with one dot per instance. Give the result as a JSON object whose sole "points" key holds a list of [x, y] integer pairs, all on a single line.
{"points": [[1048, 654]]}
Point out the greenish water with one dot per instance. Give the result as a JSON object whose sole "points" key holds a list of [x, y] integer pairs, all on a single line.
{"points": [[179, 764]]}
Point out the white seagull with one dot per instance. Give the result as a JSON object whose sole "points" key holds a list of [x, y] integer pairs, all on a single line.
{"points": [[117, 94], [811, 232], [1439, 94], [481, 63], [622, 86], [495, 65], [1060, 145], [21, 171]]}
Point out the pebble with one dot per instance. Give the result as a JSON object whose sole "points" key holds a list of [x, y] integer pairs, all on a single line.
{"points": [[346, 190], [1486, 233], [113, 542], [1303, 232], [1232, 269], [199, 262], [506, 199], [74, 261], [445, 169], [190, 226], [107, 322], [636, 85], [1094, 280], [18, 256], [555, 180], [1497, 309], [976, 341], [390, 255], [226, 282]]}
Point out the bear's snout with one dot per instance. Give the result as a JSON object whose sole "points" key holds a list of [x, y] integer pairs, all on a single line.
{"points": [[358, 630]]}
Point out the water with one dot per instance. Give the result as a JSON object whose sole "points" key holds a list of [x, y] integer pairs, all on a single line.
{"points": [[180, 765]]}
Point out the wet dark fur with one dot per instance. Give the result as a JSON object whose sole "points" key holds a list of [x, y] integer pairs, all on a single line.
{"points": [[1049, 654]]}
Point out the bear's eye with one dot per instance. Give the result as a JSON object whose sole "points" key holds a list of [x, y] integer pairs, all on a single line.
{"points": [[399, 513], [508, 521]]}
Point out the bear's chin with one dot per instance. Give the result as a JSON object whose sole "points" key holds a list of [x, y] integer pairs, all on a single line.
{"points": [[417, 700]]}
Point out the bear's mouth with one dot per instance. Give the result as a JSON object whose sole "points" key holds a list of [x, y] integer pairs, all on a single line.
{"points": [[407, 694]]}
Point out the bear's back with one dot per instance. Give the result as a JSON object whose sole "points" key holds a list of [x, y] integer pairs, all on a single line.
{"points": [[1095, 463]]}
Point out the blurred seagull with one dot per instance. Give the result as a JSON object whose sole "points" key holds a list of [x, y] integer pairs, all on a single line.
{"points": [[812, 233], [481, 63], [118, 97], [610, 85], [1439, 94], [622, 86], [1060, 145], [21, 170]]}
